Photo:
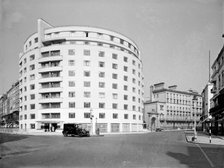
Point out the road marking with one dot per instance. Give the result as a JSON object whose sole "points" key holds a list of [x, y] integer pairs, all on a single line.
{"points": [[206, 156]]}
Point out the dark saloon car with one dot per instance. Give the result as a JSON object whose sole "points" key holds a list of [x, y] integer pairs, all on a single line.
{"points": [[74, 130]]}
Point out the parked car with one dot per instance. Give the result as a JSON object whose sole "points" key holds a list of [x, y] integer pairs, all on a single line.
{"points": [[159, 129], [74, 130]]}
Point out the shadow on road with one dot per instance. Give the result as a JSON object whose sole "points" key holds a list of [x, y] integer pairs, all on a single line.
{"points": [[212, 157], [11, 137]]}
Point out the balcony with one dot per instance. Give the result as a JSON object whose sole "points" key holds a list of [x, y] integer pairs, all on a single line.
{"points": [[50, 58], [50, 69], [50, 79], [51, 100], [50, 89]]}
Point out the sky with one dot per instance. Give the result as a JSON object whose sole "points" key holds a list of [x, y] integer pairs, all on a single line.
{"points": [[174, 36]]}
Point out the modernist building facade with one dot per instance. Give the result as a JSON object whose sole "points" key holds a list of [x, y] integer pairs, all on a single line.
{"points": [[217, 101], [9, 107], [85, 75], [170, 108]]}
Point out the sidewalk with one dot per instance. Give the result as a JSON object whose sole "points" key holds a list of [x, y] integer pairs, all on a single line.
{"points": [[203, 138]]}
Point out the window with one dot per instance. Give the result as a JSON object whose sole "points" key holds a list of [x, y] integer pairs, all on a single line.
{"points": [[25, 107], [133, 62], [24, 60], [86, 84], [71, 52], [86, 63], [161, 107], [114, 66], [101, 105], [101, 53], [71, 83], [114, 76], [125, 68], [101, 115], [115, 95], [36, 40], [71, 115], [86, 115], [25, 98], [133, 71], [30, 43], [87, 94], [133, 99], [125, 87], [87, 73], [114, 56], [101, 84], [71, 73], [25, 89], [125, 116], [86, 52], [101, 64], [101, 74], [114, 86], [32, 67], [125, 78], [125, 59], [101, 95], [115, 116], [134, 117], [125, 107], [32, 106], [125, 97], [114, 106], [32, 126], [32, 57], [71, 62], [71, 104], [32, 77], [32, 96], [71, 94], [55, 115], [87, 105], [133, 80], [133, 108], [32, 116]]}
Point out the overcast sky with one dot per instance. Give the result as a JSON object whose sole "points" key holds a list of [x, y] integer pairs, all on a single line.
{"points": [[174, 36]]}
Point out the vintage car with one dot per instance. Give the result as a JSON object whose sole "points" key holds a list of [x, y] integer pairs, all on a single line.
{"points": [[74, 130]]}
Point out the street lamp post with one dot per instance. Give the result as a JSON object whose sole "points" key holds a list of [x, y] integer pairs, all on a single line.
{"points": [[210, 125]]}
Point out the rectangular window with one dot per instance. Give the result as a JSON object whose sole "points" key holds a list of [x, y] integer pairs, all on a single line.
{"points": [[125, 78], [32, 67], [114, 105], [86, 115], [115, 116], [101, 84], [71, 115], [32, 57], [125, 68], [101, 74], [101, 95], [114, 66], [86, 84], [71, 83], [32, 96], [71, 62], [86, 52], [55, 115], [101, 115], [114, 85], [87, 105], [32, 106], [101, 105], [125, 97], [71, 94], [101, 53], [86, 63], [87, 94], [71, 104], [134, 117], [71, 73], [114, 56], [133, 62], [87, 73], [32, 126], [125, 107], [125, 87], [32, 116], [115, 95], [32, 77], [125, 116], [36, 40], [71, 52], [114, 76], [125, 59], [101, 64]]}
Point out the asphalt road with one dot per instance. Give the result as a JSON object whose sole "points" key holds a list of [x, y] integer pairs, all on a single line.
{"points": [[159, 149]]}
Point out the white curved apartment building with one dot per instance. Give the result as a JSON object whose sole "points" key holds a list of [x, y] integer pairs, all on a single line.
{"points": [[71, 74]]}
